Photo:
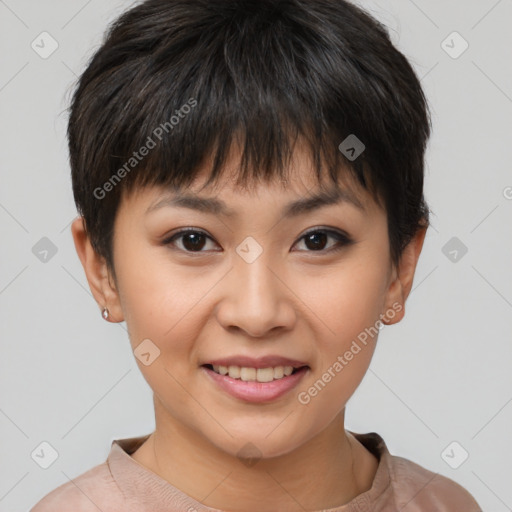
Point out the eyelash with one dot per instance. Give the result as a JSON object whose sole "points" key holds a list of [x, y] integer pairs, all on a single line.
{"points": [[343, 239]]}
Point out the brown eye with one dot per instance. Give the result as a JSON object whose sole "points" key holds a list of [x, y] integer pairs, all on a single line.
{"points": [[191, 240], [315, 241], [194, 241]]}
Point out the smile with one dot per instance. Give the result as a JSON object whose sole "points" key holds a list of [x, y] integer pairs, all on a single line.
{"points": [[249, 374], [256, 385]]}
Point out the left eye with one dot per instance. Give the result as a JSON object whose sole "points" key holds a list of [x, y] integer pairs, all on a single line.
{"points": [[318, 237], [193, 240]]}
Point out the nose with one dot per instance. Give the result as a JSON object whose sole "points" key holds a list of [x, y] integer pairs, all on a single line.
{"points": [[255, 299]]}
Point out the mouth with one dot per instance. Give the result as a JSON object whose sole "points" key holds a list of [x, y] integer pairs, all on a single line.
{"points": [[255, 380], [251, 374]]}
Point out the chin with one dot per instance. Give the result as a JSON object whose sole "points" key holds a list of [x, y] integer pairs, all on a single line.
{"points": [[261, 442]]}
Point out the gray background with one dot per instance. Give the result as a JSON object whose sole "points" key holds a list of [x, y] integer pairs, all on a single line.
{"points": [[441, 375]]}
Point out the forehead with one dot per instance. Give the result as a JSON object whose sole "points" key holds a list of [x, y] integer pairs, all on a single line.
{"points": [[220, 205]]}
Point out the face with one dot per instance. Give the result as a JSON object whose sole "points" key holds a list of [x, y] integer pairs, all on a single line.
{"points": [[256, 292]]}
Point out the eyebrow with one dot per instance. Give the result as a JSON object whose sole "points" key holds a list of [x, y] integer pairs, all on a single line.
{"points": [[298, 207]]}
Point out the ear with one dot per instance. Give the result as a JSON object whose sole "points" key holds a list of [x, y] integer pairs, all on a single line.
{"points": [[401, 280], [101, 282]]}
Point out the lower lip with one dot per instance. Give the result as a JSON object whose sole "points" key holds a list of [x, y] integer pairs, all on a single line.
{"points": [[252, 391]]}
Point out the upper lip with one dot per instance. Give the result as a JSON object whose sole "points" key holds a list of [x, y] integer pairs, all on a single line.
{"points": [[256, 362]]}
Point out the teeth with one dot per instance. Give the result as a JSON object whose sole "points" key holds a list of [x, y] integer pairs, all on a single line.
{"points": [[234, 372], [247, 373], [265, 374], [254, 374], [279, 372]]}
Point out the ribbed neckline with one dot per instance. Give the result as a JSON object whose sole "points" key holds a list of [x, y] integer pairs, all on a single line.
{"points": [[139, 484]]}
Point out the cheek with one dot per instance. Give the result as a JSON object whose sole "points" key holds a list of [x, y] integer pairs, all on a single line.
{"points": [[349, 305], [159, 304], [165, 304], [343, 356], [156, 294], [348, 300]]}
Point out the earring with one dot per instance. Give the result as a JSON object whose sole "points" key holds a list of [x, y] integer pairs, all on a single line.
{"points": [[104, 313]]}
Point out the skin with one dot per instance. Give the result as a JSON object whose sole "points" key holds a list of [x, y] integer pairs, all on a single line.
{"points": [[294, 300]]}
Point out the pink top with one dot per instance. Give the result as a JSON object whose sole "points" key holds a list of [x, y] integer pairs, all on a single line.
{"points": [[121, 484]]}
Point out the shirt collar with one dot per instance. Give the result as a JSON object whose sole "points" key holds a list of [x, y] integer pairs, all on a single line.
{"points": [[140, 485]]}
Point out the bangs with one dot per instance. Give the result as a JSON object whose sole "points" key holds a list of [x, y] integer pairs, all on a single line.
{"points": [[177, 85], [187, 101]]}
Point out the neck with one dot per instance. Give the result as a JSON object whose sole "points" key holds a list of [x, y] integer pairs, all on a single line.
{"points": [[326, 472]]}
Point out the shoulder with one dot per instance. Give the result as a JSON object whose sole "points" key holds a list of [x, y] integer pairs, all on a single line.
{"points": [[89, 492], [401, 484], [418, 489]]}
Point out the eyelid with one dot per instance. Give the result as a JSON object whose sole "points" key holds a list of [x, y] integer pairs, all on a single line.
{"points": [[168, 239], [343, 238], [325, 229]]}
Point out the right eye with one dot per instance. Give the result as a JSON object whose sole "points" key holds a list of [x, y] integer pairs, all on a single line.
{"points": [[192, 240]]}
